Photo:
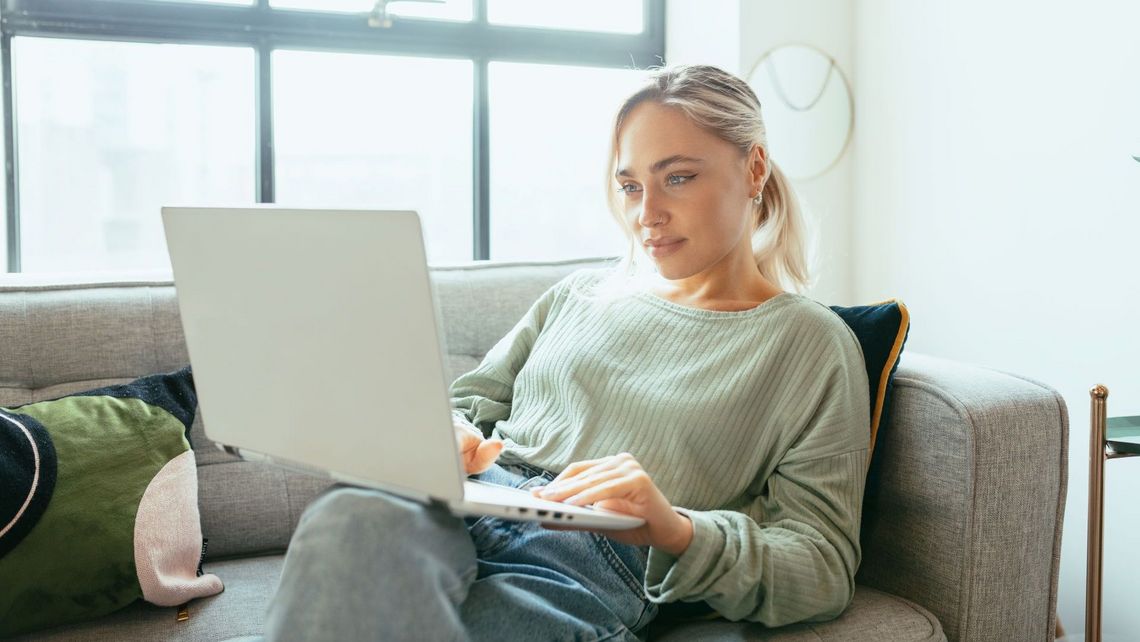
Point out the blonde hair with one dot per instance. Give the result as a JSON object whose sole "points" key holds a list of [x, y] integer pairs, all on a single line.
{"points": [[726, 106]]}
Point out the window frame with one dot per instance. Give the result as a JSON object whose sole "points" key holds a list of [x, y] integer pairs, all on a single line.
{"points": [[264, 29]]}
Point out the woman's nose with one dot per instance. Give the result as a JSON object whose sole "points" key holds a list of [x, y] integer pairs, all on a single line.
{"points": [[652, 209]]}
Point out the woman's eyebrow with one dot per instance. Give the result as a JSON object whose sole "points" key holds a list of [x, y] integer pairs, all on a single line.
{"points": [[661, 164]]}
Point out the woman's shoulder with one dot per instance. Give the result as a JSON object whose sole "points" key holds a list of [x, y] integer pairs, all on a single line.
{"points": [[806, 314]]}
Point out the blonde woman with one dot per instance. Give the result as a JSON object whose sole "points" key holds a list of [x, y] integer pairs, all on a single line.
{"points": [[684, 385]]}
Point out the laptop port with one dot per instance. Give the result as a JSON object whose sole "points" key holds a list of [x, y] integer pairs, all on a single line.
{"points": [[522, 511], [557, 515], [541, 512]]}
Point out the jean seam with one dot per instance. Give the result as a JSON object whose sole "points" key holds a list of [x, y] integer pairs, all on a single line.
{"points": [[619, 566]]}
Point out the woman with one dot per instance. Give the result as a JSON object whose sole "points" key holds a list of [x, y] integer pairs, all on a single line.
{"points": [[689, 389]]}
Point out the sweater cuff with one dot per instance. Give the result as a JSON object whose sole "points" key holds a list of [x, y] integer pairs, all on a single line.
{"points": [[670, 578]]}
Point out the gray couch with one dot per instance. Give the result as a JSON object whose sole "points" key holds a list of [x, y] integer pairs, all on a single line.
{"points": [[962, 523]]}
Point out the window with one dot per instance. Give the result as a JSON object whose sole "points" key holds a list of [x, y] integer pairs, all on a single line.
{"points": [[548, 158], [451, 10], [399, 133], [453, 108], [618, 16], [109, 132]]}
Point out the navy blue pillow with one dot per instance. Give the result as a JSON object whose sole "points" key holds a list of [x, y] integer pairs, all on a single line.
{"points": [[882, 329]]}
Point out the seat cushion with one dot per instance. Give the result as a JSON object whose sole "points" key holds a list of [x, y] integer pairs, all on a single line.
{"points": [[872, 615], [238, 610], [251, 582]]}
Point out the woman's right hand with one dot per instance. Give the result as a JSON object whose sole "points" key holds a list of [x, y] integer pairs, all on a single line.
{"points": [[477, 452]]}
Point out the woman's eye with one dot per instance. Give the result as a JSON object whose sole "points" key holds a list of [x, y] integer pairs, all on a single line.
{"points": [[680, 179], [628, 188]]}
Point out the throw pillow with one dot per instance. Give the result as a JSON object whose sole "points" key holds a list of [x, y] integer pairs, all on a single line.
{"points": [[100, 504], [882, 329]]}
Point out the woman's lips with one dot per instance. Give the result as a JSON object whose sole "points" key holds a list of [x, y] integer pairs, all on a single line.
{"points": [[659, 251]]}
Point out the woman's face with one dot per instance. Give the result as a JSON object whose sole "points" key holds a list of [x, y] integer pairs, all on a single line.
{"points": [[682, 182]]}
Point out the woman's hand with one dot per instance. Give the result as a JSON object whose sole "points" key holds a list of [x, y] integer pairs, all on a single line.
{"points": [[478, 453], [618, 483]]}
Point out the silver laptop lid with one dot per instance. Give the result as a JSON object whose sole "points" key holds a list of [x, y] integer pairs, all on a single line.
{"points": [[313, 338]]}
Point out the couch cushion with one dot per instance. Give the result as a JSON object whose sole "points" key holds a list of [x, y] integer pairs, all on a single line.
{"points": [[252, 581], [239, 610], [872, 615]]}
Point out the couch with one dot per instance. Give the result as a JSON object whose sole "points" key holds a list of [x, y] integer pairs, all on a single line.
{"points": [[962, 514]]}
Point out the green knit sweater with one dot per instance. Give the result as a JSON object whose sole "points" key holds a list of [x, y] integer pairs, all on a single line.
{"points": [[754, 423]]}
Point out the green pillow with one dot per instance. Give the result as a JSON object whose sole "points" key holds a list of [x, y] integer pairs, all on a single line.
{"points": [[100, 504]]}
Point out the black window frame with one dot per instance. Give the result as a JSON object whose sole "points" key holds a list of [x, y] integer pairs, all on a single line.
{"points": [[265, 28]]}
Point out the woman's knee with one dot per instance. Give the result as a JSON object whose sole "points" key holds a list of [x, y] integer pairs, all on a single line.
{"points": [[348, 514]]}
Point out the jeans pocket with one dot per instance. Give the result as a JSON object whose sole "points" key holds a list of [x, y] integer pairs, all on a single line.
{"points": [[491, 535], [629, 563]]}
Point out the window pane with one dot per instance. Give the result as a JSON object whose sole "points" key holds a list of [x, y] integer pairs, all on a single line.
{"points": [[387, 132], [447, 10], [110, 132], [615, 16], [549, 140], [241, 2]]}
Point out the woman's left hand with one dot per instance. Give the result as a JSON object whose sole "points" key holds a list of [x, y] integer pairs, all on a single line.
{"points": [[619, 483]]}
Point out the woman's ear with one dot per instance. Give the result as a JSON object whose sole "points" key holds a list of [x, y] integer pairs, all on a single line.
{"points": [[757, 168]]}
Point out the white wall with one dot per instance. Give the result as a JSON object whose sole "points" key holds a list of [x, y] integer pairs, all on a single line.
{"points": [[733, 35], [995, 194]]}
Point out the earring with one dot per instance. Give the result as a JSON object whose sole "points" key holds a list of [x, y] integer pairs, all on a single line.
{"points": [[758, 198]]}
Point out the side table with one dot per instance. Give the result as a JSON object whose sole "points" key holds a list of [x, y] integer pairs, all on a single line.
{"points": [[1109, 438]]}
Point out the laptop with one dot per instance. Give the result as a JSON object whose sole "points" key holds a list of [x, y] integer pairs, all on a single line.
{"points": [[315, 343]]}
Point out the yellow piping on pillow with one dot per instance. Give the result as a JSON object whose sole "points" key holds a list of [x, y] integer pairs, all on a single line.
{"points": [[895, 350]]}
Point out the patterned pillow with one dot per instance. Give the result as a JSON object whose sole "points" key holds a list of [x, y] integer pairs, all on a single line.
{"points": [[99, 504], [882, 329]]}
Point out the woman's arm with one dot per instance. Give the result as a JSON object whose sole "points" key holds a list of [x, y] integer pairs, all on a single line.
{"points": [[482, 397], [799, 564], [791, 554]]}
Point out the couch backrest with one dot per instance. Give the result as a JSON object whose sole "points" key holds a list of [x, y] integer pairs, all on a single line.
{"points": [[58, 337]]}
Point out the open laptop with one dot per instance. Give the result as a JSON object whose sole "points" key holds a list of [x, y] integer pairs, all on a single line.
{"points": [[315, 342]]}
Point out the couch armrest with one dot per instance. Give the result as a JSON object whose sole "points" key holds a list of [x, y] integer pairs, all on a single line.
{"points": [[965, 499]]}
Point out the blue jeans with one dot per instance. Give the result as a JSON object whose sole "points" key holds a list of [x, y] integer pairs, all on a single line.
{"points": [[369, 565]]}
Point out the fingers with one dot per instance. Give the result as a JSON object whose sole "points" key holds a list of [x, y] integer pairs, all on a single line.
{"points": [[576, 467], [484, 455], [593, 470], [468, 440], [478, 453], [614, 488], [557, 491], [487, 451]]}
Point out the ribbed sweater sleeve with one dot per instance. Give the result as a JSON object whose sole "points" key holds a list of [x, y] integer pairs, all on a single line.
{"points": [[791, 553], [482, 397]]}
